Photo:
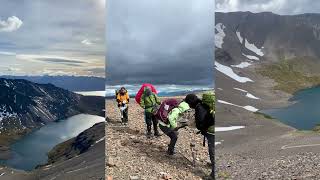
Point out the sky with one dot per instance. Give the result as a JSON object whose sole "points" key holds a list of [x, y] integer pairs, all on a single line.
{"points": [[160, 41], [282, 7], [46, 37]]}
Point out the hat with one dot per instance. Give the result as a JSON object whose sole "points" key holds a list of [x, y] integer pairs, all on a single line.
{"points": [[192, 100]]}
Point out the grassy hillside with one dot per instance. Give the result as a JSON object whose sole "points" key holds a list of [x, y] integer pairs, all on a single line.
{"points": [[293, 74]]}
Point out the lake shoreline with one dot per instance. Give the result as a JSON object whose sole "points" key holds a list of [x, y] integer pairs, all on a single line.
{"points": [[298, 99]]}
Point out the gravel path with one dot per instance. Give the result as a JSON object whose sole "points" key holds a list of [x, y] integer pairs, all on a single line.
{"points": [[130, 155]]}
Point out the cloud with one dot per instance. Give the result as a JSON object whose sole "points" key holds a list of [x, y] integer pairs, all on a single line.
{"points": [[58, 37], [61, 60], [284, 7], [57, 72], [51, 59], [160, 42], [86, 42], [11, 24], [7, 53], [13, 69]]}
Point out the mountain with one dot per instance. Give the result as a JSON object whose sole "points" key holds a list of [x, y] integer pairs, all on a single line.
{"points": [[266, 54], [25, 105], [71, 83]]}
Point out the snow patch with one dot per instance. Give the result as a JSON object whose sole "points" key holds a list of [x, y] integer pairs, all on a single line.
{"points": [[239, 37], [240, 89], [249, 108], [253, 48], [249, 95], [231, 128], [251, 57], [229, 72], [242, 65], [4, 113], [100, 140], [219, 36]]}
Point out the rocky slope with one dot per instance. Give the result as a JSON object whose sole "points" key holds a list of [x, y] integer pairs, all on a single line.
{"points": [[130, 155], [77, 145]]}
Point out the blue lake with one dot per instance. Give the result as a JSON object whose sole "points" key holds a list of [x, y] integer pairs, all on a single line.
{"points": [[32, 149], [304, 114]]}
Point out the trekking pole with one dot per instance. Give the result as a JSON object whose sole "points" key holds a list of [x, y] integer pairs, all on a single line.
{"points": [[192, 146]]}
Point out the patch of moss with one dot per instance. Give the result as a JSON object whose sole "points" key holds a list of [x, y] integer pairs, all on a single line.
{"points": [[316, 128], [264, 115], [289, 75], [223, 175]]}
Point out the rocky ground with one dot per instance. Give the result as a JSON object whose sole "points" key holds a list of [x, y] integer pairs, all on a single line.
{"points": [[130, 155]]}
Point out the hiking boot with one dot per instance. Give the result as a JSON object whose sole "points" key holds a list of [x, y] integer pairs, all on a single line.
{"points": [[209, 178], [170, 153], [149, 134], [157, 134]]}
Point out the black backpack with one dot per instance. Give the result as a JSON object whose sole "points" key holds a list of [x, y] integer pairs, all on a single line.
{"points": [[204, 123]]}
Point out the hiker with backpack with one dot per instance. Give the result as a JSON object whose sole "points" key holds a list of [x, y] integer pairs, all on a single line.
{"points": [[123, 99], [168, 114], [149, 101], [204, 118]]}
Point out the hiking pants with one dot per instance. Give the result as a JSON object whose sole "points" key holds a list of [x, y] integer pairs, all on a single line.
{"points": [[173, 136], [150, 119], [125, 115], [210, 138]]}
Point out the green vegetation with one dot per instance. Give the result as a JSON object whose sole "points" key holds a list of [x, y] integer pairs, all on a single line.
{"points": [[316, 128], [223, 175], [60, 150], [291, 75], [264, 115], [6, 138]]}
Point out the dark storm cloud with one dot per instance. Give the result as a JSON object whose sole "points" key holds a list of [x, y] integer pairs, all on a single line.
{"points": [[60, 60], [283, 7], [160, 41]]}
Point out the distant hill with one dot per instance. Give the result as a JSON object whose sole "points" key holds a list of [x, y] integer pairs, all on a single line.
{"points": [[71, 83]]}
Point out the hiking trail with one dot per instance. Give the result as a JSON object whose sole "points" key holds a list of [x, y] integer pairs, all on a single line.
{"points": [[130, 155]]}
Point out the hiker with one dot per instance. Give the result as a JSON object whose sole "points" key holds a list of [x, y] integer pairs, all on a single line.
{"points": [[168, 114], [149, 101], [204, 118], [123, 101]]}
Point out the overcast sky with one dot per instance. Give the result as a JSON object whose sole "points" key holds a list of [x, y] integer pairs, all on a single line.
{"points": [[160, 41], [283, 7], [53, 37]]}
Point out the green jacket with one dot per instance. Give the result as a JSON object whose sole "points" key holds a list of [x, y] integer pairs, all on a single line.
{"points": [[149, 102], [175, 114]]}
